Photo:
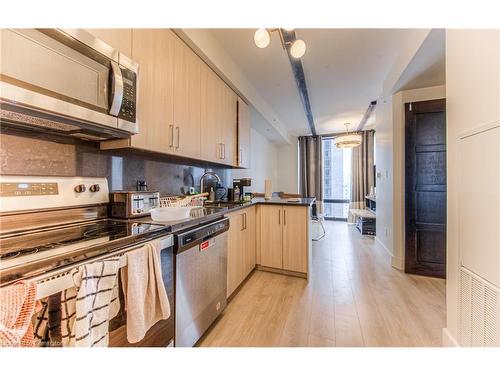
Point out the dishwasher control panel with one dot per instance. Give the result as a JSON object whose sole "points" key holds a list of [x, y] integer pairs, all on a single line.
{"points": [[202, 233]]}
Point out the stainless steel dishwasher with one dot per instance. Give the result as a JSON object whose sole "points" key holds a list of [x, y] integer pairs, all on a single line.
{"points": [[200, 280]]}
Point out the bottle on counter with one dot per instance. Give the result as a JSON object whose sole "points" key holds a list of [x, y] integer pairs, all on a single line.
{"points": [[211, 195], [236, 194]]}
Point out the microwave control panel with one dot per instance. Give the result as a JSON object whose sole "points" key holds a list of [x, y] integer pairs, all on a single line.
{"points": [[128, 107]]}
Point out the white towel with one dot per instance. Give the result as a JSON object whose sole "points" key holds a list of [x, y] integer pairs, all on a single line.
{"points": [[87, 308], [145, 294]]}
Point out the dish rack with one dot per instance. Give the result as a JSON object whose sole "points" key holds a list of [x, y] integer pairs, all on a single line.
{"points": [[187, 201]]}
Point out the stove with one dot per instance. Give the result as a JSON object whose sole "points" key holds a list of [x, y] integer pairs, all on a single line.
{"points": [[42, 229]]}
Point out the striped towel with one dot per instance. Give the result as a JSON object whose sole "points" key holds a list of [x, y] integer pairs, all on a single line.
{"points": [[17, 306], [87, 308], [47, 323]]}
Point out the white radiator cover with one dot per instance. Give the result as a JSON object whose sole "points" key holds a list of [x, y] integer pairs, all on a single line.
{"points": [[479, 311]]}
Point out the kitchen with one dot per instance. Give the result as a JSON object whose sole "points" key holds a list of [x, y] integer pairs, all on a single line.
{"points": [[84, 177], [158, 188]]}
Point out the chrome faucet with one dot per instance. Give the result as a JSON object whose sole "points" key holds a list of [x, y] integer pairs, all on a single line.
{"points": [[208, 172]]}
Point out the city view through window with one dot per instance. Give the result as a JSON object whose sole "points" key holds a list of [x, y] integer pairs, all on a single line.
{"points": [[336, 180]]}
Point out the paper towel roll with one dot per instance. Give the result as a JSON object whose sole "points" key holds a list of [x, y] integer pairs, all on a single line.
{"points": [[268, 190]]}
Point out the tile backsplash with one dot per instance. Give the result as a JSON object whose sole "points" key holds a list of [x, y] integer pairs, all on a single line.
{"points": [[32, 154]]}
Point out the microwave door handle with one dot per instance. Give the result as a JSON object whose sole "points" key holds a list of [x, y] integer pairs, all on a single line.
{"points": [[117, 99]]}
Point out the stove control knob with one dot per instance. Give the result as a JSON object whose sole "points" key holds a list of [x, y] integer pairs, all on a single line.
{"points": [[80, 188], [94, 188]]}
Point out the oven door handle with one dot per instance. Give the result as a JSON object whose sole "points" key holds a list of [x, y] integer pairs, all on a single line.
{"points": [[117, 82]]}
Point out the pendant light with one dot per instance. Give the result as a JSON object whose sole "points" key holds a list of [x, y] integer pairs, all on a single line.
{"points": [[262, 38], [347, 140]]}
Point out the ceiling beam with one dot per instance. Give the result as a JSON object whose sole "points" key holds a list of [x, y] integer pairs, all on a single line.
{"points": [[300, 79], [367, 115]]}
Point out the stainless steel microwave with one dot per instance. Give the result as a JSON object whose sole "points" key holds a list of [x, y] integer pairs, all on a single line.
{"points": [[67, 81]]}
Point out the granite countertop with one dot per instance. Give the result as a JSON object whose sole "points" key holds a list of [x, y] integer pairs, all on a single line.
{"points": [[285, 201], [219, 212]]}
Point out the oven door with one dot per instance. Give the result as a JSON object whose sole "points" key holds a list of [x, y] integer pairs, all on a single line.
{"points": [[162, 333], [69, 73]]}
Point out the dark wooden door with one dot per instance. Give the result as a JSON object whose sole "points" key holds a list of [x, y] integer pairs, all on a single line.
{"points": [[425, 207]]}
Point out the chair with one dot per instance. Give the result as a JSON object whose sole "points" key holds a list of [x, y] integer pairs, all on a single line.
{"points": [[318, 216]]}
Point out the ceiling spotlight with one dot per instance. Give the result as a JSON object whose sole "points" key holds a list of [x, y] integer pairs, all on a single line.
{"points": [[262, 38], [298, 48]]}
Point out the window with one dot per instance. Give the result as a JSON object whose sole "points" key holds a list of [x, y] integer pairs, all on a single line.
{"points": [[336, 180]]}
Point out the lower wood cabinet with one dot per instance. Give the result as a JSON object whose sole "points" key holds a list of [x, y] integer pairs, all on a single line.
{"points": [[241, 247], [284, 237]]}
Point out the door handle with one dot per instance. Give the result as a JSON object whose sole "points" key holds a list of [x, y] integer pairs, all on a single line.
{"points": [[245, 220], [117, 82], [279, 216], [171, 135], [242, 221], [284, 216], [178, 137], [224, 151]]}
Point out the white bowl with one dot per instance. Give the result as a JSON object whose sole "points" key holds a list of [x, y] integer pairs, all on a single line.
{"points": [[170, 213]]}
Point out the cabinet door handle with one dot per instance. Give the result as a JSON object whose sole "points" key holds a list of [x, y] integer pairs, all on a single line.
{"points": [[245, 221], [284, 216], [178, 137], [171, 135], [241, 156], [242, 221], [223, 151], [219, 151], [279, 216]]}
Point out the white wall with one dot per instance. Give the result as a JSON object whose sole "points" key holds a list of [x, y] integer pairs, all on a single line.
{"points": [[384, 182], [263, 162], [288, 178], [473, 101]]}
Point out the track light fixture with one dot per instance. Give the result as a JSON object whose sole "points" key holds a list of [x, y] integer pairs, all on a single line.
{"points": [[262, 38]]}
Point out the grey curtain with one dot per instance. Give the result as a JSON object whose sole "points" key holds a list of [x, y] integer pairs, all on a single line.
{"points": [[311, 167], [362, 178]]}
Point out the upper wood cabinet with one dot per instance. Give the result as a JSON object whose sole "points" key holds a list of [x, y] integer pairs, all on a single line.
{"points": [[120, 39], [211, 107], [153, 51], [243, 134], [184, 107], [218, 119], [187, 100]]}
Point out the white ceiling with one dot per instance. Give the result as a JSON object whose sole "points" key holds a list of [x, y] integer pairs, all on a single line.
{"points": [[428, 66], [344, 70]]}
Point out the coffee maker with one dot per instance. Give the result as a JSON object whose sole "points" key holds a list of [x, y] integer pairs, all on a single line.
{"points": [[244, 185]]}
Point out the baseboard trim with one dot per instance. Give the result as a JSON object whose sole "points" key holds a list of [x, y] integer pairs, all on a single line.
{"points": [[384, 247], [448, 339], [396, 262], [282, 272]]}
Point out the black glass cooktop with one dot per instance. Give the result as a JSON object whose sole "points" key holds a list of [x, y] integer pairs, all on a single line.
{"points": [[71, 236]]}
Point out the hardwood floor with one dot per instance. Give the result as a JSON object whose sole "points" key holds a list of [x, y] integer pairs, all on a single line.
{"points": [[354, 298]]}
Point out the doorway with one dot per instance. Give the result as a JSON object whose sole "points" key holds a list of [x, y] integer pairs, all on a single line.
{"points": [[425, 188]]}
